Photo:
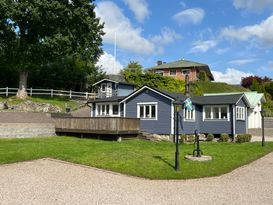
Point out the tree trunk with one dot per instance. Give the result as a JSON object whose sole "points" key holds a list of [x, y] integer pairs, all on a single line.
{"points": [[22, 92]]}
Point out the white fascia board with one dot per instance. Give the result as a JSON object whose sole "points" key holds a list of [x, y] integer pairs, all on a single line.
{"points": [[104, 80], [139, 90]]}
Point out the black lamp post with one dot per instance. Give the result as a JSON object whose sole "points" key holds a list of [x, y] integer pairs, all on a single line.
{"points": [[177, 109], [263, 113]]}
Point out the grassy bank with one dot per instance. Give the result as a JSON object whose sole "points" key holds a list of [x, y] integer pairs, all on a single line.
{"points": [[60, 102], [153, 160]]}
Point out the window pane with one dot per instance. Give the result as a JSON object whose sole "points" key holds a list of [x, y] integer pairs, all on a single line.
{"points": [[115, 109], [103, 87], [99, 111], [107, 109], [215, 111], [153, 111], [147, 111], [103, 110], [207, 113], [223, 112], [141, 110]]}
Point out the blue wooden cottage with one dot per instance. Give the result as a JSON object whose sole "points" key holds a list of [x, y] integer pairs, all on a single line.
{"points": [[155, 109]]}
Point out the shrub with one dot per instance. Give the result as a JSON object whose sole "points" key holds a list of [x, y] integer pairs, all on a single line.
{"points": [[210, 137], [241, 138], [187, 138], [183, 138], [190, 138], [224, 137]]}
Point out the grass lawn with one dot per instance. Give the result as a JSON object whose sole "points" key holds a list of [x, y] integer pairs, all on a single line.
{"points": [[147, 159]]}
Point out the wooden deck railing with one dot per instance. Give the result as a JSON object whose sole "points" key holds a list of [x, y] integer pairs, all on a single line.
{"points": [[98, 125]]}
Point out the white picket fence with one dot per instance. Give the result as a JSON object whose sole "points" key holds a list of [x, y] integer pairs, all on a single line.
{"points": [[48, 92]]}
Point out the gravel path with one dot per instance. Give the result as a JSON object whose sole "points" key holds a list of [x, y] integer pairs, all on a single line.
{"points": [[48, 181]]}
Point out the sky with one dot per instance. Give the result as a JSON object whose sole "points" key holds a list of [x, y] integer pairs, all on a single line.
{"points": [[233, 37]]}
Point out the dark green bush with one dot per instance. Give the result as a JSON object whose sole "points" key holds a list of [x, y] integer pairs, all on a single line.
{"points": [[241, 138], [210, 137], [224, 137]]}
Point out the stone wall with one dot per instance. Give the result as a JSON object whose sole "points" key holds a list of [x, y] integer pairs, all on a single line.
{"points": [[25, 130]]}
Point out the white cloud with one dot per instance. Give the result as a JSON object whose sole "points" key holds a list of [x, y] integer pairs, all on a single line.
{"points": [[167, 36], [194, 15], [262, 32], [253, 5], [231, 76], [128, 37], [139, 8], [203, 46], [108, 64], [242, 61]]}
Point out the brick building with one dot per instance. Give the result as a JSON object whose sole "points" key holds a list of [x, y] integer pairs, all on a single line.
{"points": [[178, 69]]}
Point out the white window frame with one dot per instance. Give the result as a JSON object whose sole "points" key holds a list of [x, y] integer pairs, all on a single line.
{"points": [[211, 113], [188, 114], [150, 104], [99, 113], [240, 113]]}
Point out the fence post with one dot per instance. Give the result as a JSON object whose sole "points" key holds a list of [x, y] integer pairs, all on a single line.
{"points": [[51, 93], [70, 94], [7, 91], [30, 91], [86, 95]]}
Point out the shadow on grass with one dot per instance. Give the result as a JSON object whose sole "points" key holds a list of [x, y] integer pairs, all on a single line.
{"points": [[164, 160]]}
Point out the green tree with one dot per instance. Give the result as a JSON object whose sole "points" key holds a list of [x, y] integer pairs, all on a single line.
{"points": [[133, 67], [35, 33], [203, 76]]}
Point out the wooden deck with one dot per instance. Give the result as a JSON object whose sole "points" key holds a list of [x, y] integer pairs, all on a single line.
{"points": [[98, 125]]}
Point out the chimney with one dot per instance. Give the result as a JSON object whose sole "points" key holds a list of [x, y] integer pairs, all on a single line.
{"points": [[159, 62]]}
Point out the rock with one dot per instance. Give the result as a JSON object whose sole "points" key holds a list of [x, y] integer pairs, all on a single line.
{"points": [[22, 94], [29, 106], [155, 137], [203, 158]]}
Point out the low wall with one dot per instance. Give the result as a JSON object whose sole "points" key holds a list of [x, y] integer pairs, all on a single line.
{"points": [[25, 130]]}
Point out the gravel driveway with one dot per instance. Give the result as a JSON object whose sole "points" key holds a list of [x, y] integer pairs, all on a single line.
{"points": [[48, 181]]}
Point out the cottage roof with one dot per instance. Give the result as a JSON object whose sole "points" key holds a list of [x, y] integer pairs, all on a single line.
{"points": [[207, 100], [253, 97], [109, 99], [184, 64], [200, 100], [115, 79]]}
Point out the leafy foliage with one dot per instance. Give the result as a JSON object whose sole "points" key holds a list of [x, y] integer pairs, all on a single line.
{"points": [[67, 74], [156, 81], [203, 76], [35, 33], [201, 87], [247, 82]]}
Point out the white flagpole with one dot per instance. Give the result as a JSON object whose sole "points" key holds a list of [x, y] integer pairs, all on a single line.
{"points": [[115, 52]]}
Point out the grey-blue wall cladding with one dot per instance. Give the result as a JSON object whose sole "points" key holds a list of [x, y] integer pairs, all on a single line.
{"points": [[124, 90], [163, 123]]}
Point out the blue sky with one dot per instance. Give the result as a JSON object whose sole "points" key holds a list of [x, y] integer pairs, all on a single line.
{"points": [[234, 37]]}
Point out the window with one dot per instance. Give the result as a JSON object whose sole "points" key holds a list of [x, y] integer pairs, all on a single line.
{"points": [[172, 72], [189, 115], [216, 113], [147, 111], [240, 113], [103, 87], [115, 109], [107, 109]]}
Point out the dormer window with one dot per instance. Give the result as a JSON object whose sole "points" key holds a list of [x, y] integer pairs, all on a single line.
{"points": [[103, 87]]}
